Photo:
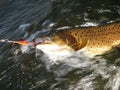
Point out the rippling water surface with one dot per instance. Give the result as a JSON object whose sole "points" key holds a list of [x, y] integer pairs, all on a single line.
{"points": [[21, 68]]}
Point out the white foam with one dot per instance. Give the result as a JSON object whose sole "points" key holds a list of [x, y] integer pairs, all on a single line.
{"points": [[55, 52], [89, 24], [62, 28], [25, 49]]}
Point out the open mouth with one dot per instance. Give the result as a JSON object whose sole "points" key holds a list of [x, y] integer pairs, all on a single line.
{"points": [[44, 40]]}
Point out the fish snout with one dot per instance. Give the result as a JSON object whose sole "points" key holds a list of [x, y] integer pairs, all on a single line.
{"points": [[44, 40]]}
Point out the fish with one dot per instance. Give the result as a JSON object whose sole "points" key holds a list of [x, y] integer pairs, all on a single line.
{"points": [[96, 40]]}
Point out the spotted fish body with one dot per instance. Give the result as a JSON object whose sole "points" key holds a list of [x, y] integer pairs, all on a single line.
{"points": [[96, 40]]}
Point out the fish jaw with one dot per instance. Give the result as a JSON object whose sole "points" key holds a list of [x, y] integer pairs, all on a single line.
{"points": [[55, 50]]}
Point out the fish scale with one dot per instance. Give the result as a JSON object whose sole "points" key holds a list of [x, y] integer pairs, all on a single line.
{"points": [[97, 39]]}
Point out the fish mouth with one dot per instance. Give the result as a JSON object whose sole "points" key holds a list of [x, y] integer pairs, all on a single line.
{"points": [[44, 40], [51, 47]]}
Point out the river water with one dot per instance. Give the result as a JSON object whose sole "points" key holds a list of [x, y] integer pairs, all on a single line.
{"points": [[21, 69]]}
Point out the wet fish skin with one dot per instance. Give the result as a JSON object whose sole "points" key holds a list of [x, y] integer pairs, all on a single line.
{"points": [[97, 39]]}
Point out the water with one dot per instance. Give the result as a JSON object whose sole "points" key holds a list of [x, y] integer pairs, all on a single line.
{"points": [[21, 68]]}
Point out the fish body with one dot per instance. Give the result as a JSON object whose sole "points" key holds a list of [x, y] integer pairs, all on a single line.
{"points": [[96, 40]]}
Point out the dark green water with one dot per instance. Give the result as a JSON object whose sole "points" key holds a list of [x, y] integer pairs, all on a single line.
{"points": [[22, 19]]}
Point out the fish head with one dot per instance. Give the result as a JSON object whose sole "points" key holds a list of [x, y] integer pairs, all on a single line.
{"points": [[53, 47]]}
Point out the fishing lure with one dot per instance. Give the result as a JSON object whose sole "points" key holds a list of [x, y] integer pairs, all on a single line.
{"points": [[20, 42]]}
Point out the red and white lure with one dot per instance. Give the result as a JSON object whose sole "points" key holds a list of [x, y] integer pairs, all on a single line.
{"points": [[20, 42]]}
